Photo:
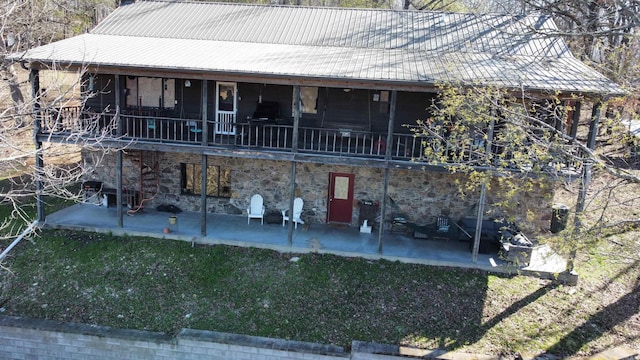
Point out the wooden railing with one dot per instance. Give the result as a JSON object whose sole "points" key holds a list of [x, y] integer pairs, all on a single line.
{"points": [[268, 136]]}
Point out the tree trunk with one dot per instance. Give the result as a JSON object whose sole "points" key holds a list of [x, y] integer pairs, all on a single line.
{"points": [[17, 98]]}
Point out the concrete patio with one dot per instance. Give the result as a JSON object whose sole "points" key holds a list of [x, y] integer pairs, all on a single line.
{"points": [[322, 238]]}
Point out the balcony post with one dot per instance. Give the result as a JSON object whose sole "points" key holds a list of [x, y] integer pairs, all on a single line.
{"points": [[205, 125], [117, 120], [593, 124], [296, 118], [575, 120], [392, 118]]}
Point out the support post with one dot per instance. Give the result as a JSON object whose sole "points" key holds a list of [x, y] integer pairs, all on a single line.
{"points": [[34, 76], [39, 183], [585, 181], [119, 188], [203, 195], [478, 234], [292, 190], [119, 132], [383, 205], [387, 157]]}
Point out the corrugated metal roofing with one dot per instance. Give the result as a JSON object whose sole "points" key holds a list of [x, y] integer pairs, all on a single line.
{"points": [[414, 47], [335, 27]]}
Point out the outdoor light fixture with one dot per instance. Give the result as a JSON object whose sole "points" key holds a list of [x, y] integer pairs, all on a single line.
{"points": [[187, 83]]}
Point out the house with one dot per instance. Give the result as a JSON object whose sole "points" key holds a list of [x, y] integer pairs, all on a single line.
{"points": [[210, 103]]}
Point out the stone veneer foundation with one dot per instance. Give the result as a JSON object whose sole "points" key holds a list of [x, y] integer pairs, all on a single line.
{"points": [[420, 196]]}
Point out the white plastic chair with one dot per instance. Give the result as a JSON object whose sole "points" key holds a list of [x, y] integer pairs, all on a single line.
{"points": [[256, 209], [298, 203], [443, 224]]}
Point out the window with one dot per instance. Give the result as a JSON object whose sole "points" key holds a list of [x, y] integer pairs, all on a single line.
{"points": [[218, 180], [383, 98], [150, 92], [308, 99]]}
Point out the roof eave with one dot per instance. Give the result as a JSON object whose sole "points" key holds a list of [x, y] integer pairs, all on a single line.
{"points": [[286, 79]]}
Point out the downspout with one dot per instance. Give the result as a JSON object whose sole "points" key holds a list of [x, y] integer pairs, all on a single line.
{"points": [[294, 149], [483, 195], [478, 233], [387, 158]]}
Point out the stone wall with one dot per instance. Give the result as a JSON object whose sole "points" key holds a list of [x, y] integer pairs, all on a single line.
{"points": [[420, 196]]}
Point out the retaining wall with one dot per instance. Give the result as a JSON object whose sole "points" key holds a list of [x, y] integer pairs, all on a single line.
{"points": [[23, 338]]}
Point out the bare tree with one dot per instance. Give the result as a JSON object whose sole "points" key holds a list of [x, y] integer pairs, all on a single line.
{"points": [[514, 134], [24, 24]]}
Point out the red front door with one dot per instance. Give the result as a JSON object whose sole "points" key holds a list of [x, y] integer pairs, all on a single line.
{"points": [[340, 198]]}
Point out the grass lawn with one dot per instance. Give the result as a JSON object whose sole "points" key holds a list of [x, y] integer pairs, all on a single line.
{"points": [[164, 285]]}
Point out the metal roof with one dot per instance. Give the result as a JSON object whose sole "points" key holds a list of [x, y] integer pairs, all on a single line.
{"points": [[394, 46]]}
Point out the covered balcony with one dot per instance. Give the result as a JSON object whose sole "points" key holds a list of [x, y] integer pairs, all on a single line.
{"points": [[277, 136]]}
